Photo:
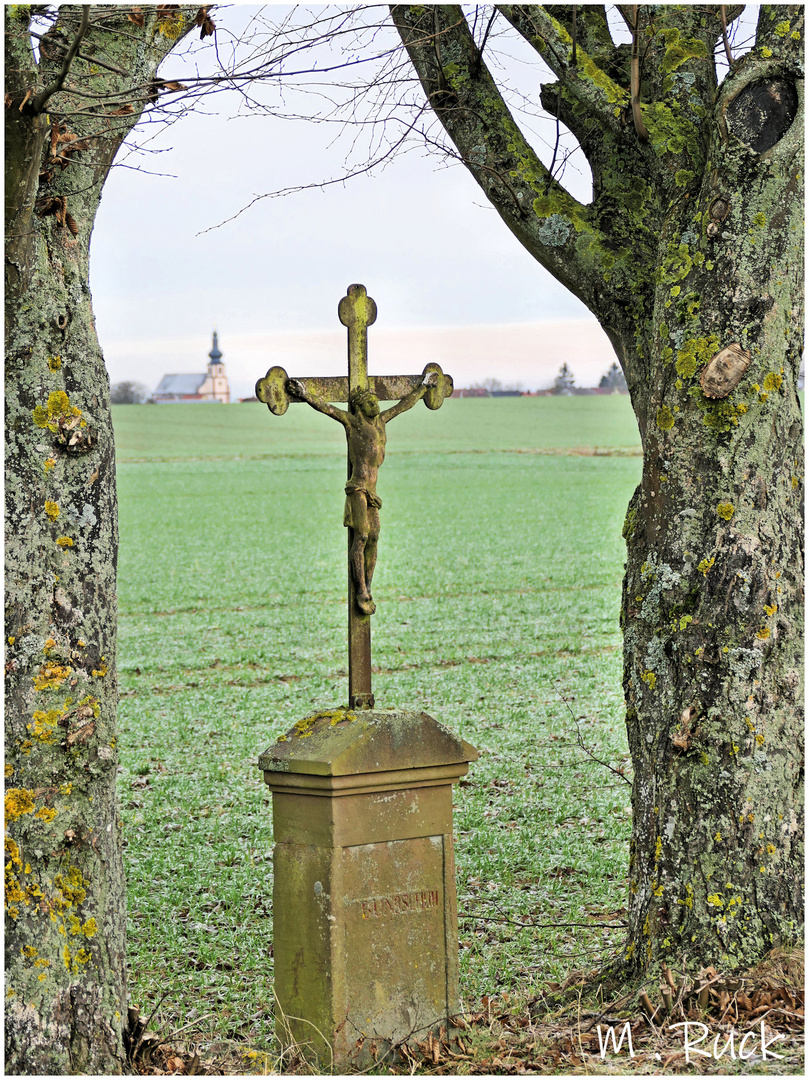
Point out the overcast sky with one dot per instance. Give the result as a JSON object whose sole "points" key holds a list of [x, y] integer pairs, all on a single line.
{"points": [[450, 281]]}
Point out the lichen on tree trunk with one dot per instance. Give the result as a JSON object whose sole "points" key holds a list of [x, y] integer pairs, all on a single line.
{"points": [[690, 255], [65, 902]]}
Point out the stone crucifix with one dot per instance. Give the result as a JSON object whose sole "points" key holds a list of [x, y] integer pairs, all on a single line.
{"points": [[365, 427]]}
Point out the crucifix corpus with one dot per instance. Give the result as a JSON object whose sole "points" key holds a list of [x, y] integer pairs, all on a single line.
{"points": [[365, 428]]}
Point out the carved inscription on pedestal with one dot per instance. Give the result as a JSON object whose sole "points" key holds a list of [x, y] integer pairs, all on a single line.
{"points": [[410, 903], [395, 933]]}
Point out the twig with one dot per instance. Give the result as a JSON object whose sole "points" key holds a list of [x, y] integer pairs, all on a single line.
{"points": [[637, 115], [723, 12], [482, 45], [89, 59], [41, 99], [580, 741], [146, 1027], [545, 925]]}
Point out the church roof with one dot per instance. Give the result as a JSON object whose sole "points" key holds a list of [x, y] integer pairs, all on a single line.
{"points": [[180, 384]]}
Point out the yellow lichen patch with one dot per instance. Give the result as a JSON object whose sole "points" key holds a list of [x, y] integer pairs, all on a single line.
{"points": [[52, 509], [665, 418], [90, 928], [54, 362], [14, 894], [763, 632], [650, 679], [58, 407], [29, 951], [99, 673], [695, 354], [705, 566], [9, 771], [70, 886], [19, 801], [172, 26], [770, 609], [49, 644], [43, 725], [66, 789], [49, 464], [772, 381], [64, 541], [13, 852], [51, 676], [726, 510], [47, 813]]}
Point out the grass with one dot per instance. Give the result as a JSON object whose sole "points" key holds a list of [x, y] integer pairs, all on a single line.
{"points": [[498, 591]]}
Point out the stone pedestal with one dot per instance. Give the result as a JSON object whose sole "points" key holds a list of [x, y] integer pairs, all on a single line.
{"points": [[365, 918]]}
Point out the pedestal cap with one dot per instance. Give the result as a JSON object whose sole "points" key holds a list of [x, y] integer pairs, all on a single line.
{"points": [[346, 743]]}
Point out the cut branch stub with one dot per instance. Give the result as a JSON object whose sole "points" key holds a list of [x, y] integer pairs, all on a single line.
{"points": [[762, 113], [724, 371]]}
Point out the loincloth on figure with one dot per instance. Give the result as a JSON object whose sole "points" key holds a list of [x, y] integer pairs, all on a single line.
{"points": [[372, 502]]}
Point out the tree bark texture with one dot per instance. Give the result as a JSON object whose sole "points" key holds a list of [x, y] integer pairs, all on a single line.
{"points": [[691, 257], [65, 903]]}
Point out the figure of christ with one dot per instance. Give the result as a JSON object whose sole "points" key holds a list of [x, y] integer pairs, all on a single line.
{"points": [[365, 431]]}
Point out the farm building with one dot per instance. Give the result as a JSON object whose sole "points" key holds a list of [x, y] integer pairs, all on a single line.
{"points": [[212, 385]]}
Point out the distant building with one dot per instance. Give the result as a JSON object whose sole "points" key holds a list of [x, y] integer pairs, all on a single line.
{"points": [[474, 391], [210, 386]]}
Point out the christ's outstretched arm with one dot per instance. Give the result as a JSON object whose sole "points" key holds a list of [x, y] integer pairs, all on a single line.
{"points": [[411, 399], [296, 387]]}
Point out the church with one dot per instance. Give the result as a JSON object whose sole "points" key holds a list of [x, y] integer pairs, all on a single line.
{"points": [[210, 386]]}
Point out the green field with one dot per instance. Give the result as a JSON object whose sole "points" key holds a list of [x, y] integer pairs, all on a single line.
{"points": [[498, 587]]}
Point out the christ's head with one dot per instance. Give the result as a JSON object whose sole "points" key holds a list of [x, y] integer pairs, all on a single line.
{"points": [[366, 402]]}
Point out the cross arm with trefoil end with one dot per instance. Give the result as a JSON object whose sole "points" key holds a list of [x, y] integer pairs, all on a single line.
{"points": [[364, 425]]}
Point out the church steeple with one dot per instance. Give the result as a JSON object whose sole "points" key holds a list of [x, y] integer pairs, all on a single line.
{"points": [[215, 354]]}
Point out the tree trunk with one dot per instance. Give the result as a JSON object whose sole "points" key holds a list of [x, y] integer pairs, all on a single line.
{"points": [[691, 257], [712, 606], [65, 901]]}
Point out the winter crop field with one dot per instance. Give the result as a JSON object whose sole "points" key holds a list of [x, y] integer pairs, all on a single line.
{"points": [[498, 590]]}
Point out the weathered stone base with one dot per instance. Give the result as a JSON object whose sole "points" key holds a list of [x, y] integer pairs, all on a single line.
{"points": [[365, 908]]}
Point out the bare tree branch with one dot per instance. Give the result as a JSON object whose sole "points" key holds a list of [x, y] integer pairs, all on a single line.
{"points": [[40, 100]]}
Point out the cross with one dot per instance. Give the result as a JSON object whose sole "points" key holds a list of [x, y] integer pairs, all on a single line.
{"points": [[365, 432]]}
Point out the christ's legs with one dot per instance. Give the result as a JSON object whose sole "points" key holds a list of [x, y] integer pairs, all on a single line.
{"points": [[370, 560], [358, 563]]}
